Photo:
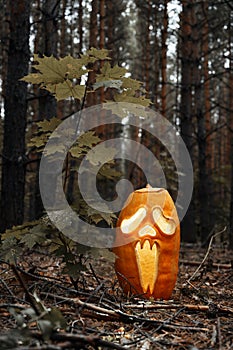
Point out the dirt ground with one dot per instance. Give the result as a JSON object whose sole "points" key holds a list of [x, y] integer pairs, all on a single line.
{"points": [[92, 312]]}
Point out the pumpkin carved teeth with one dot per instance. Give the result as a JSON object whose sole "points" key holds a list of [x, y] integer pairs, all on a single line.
{"points": [[147, 262]]}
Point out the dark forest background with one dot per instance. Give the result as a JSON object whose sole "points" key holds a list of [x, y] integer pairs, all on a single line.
{"points": [[182, 51]]}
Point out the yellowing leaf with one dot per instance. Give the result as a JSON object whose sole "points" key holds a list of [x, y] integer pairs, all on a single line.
{"points": [[52, 69], [56, 75], [108, 172], [34, 78], [135, 109], [76, 151], [127, 96], [101, 154], [110, 73], [52, 149], [49, 125], [129, 83], [88, 139], [84, 142], [38, 141], [66, 89], [99, 54]]}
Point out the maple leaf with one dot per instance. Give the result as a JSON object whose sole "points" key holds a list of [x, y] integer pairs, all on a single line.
{"points": [[52, 149], [56, 75], [108, 172], [101, 154], [75, 67], [53, 70], [88, 139], [38, 141], [36, 236], [110, 73], [86, 59], [99, 54], [66, 89], [84, 142], [10, 249], [135, 109], [34, 78], [129, 83], [128, 96], [49, 125], [76, 151]]}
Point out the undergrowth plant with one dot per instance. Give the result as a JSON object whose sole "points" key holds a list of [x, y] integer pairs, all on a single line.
{"points": [[73, 78]]}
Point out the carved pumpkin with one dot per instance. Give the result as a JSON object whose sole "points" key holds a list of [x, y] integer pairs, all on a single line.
{"points": [[147, 244]]}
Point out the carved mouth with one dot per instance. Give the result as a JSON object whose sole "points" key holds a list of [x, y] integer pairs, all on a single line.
{"points": [[147, 261]]}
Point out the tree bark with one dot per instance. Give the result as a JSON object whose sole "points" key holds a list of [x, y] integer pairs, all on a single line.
{"points": [[48, 47], [206, 222], [92, 97], [164, 60], [13, 170], [80, 25], [147, 49], [188, 224], [47, 107], [230, 121]]}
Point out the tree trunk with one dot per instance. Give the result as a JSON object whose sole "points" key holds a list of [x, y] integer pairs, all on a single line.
{"points": [[102, 39], [13, 171], [92, 98], [164, 60], [110, 28], [147, 50], [48, 47], [80, 25], [188, 225], [203, 189], [230, 121], [156, 50], [47, 104]]}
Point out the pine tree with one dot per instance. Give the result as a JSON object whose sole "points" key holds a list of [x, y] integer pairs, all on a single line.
{"points": [[13, 167]]}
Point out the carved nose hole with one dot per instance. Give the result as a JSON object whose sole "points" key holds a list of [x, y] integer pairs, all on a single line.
{"points": [[147, 231]]}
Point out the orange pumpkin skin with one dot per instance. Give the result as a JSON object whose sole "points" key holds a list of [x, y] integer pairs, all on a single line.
{"points": [[148, 268]]}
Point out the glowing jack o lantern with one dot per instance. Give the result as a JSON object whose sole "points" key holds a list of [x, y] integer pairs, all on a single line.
{"points": [[147, 244]]}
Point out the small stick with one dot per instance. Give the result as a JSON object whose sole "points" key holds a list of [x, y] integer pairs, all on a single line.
{"points": [[206, 255], [196, 263], [219, 334], [94, 274], [214, 336], [28, 294]]}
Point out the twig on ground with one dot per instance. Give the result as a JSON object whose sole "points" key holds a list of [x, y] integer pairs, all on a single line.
{"points": [[189, 307], [94, 274], [206, 255], [219, 334], [80, 339], [197, 263], [214, 336], [27, 293]]}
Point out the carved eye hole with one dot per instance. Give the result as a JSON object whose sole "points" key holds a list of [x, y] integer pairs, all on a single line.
{"points": [[129, 225], [166, 225]]}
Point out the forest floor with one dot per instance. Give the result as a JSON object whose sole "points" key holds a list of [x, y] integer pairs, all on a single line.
{"points": [[94, 314]]}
